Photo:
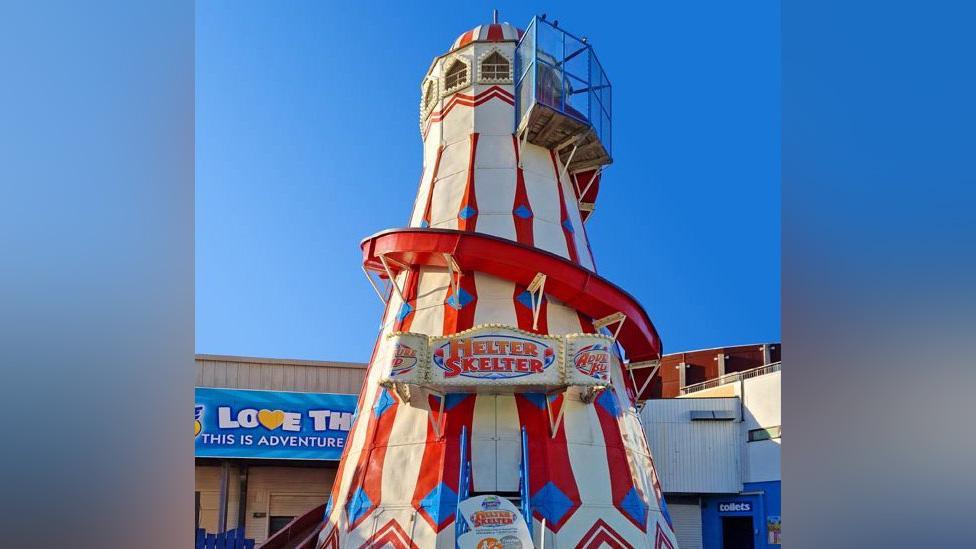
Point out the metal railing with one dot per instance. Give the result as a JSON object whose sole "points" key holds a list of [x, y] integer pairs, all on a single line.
{"points": [[731, 378], [559, 70]]}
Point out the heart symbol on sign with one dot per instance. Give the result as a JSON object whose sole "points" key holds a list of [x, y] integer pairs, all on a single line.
{"points": [[271, 419]]}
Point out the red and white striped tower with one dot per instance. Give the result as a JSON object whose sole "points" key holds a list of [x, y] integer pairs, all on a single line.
{"points": [[497, 243]]}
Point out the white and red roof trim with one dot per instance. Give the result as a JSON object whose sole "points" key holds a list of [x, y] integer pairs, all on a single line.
{"points": [[495, 32]]}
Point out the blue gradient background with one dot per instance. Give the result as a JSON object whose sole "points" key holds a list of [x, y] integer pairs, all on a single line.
{"points": [[96, 275], [878, 270], [96, 284]]}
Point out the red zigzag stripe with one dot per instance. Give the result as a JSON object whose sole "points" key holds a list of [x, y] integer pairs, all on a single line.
{"points": [[602, 535], [476, 100], [390, 535]]}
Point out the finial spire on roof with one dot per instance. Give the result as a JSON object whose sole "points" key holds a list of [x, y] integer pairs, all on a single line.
{"points": [[494, 16]]}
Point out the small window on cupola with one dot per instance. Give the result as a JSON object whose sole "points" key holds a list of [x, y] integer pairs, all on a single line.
{"points": [[495, 68], [430, 95], [456, 76]]}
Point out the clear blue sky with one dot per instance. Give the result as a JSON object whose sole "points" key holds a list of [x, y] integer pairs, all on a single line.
{"points": [[307, 142]]}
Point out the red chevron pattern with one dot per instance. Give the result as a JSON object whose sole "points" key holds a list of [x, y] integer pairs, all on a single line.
{"points": [[330, 540], [494, 92], [390, 535], [602, 535], [661, 540]]}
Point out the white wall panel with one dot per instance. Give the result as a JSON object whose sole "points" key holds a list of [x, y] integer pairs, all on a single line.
{"points": [[495, 151], [561, 320], [483, 442], [448, 193], [458, 123], [762, 399], [495, 116], [495, 193], [496, 302]]}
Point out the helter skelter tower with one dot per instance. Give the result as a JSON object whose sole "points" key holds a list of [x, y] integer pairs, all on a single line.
{"points": [[499, 368]]}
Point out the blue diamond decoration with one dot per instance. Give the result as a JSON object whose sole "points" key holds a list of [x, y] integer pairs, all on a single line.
{"points": [[551, 503], [453, 399], [424, 224], [405, 310], [538, 399], [460, 299], [328, 510], [358, 505], [467, 212], [568, 226], [634, 506], [667, 515], [383, 404], [440, 503], [525, 298], [608, 400], [523, 211]]}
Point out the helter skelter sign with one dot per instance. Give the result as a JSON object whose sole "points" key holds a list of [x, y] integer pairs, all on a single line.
{"points": [[497, 356]]}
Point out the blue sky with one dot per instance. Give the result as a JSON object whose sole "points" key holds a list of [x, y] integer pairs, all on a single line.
{"points": [[307, 142]]}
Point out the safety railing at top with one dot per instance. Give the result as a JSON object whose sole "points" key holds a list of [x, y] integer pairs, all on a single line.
{"points": [[556, 69], [731, 378]]}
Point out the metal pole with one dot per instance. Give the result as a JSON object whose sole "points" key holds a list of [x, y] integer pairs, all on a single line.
{"points": [[242, 502], [222, 505], [461, 484], [526, 503]]}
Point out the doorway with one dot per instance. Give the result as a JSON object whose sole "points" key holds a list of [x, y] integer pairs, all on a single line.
{"points": [[496, 445], [737, 533]]}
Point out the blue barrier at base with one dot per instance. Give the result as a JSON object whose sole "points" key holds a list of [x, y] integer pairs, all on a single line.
{"points": [[231, 539]]}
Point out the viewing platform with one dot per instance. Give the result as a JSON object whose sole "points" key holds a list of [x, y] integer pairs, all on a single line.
{"points": [[562, 96]]}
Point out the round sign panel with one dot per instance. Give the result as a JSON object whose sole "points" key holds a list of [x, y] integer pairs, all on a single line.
{"points": [[494, 523]]}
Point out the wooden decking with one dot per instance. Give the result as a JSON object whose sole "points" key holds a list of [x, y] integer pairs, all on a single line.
{"points": [[550, 129]]}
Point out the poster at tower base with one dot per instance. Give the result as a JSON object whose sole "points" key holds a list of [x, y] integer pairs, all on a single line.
{"points": [[494, 523]]}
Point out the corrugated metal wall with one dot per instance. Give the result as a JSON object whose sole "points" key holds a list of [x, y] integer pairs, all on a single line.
{"points": [[694, 456], [687, 521], [234, 372]]}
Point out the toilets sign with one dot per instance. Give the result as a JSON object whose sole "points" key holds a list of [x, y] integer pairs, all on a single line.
{"points": [[735, 507], [270, 424]]}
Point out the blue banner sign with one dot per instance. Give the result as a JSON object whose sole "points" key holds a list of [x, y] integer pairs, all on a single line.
{"points": [[270, 424]]}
